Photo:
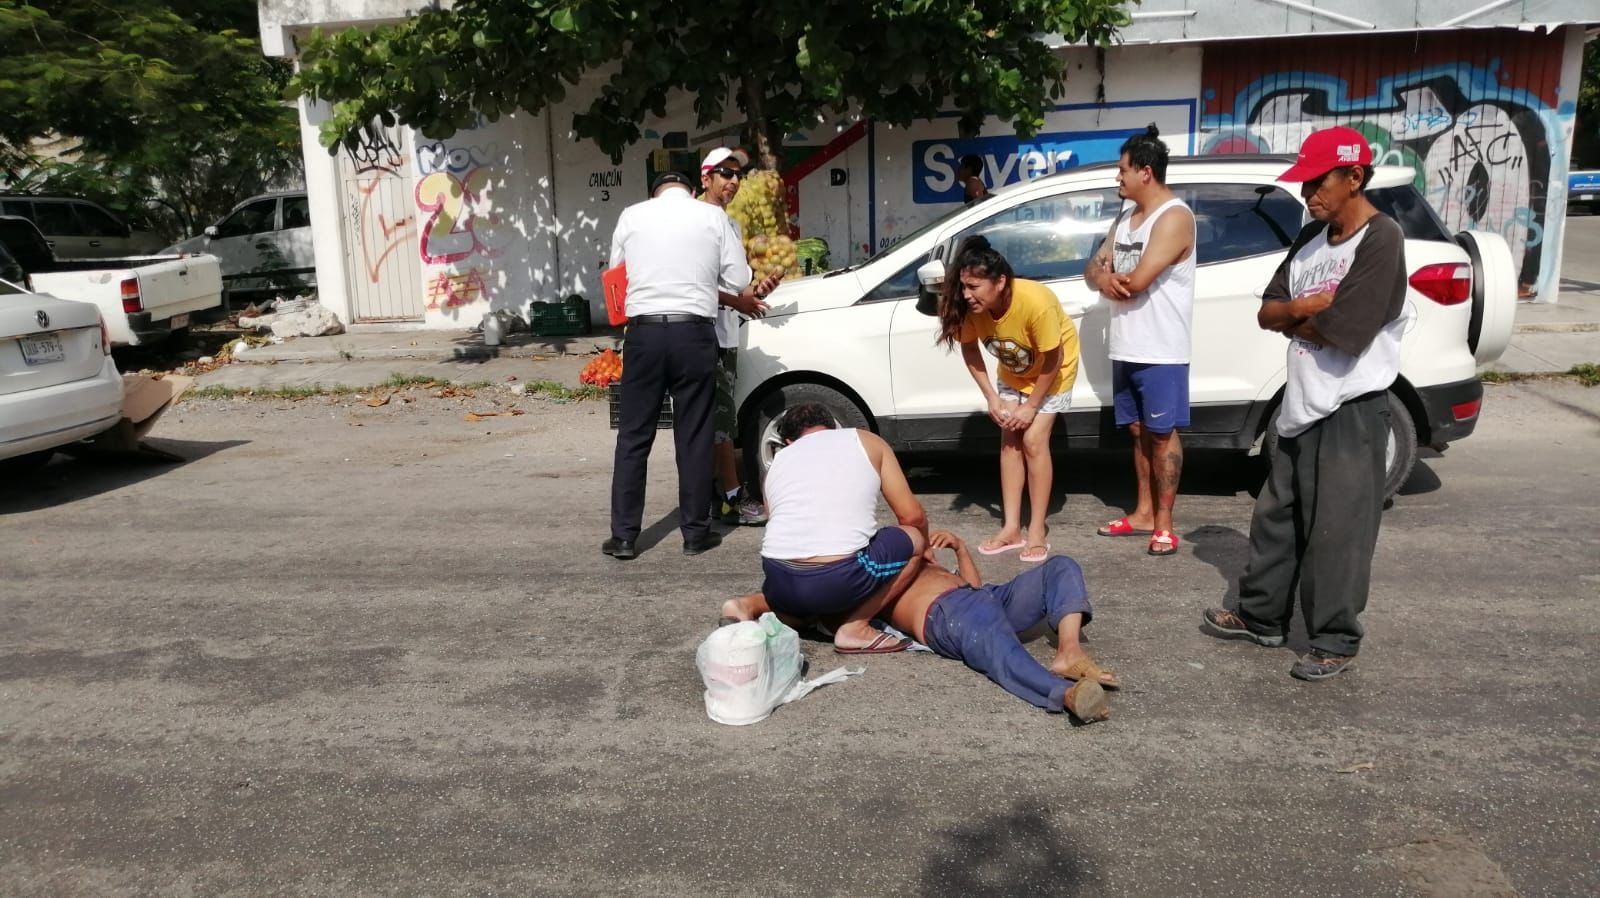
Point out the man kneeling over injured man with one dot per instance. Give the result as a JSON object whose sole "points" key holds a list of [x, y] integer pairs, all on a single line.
{"points": [[962, 618]]}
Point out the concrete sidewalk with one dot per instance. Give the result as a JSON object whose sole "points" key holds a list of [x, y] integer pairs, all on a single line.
{"points": [[1549, 338]]}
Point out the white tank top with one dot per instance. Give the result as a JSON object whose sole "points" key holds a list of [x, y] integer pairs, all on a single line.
{"points": [[1154, 327], [822, 497]]}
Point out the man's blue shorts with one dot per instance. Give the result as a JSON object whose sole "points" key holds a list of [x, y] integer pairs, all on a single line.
{"points": [[1154, 395], [837, 587]]}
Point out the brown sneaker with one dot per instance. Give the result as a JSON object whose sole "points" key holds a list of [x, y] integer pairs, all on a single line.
{"points": [[1225, 624], [1087, 701], [1319, 665]]}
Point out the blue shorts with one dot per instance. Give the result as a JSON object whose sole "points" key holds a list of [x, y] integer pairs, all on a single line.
{"points": [[837, 587], [1154, 395]]}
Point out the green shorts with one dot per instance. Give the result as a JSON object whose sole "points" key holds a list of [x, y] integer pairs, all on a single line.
{"points": [[725, 419]]}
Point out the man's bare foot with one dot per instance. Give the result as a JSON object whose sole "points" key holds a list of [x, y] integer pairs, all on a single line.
{"points": [[743, 608], [1004, 541], [1077, 665]]}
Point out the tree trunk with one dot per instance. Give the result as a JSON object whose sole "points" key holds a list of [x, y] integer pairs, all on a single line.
{"points": [[754, 89]]}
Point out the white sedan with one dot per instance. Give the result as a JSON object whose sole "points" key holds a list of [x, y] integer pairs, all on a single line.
{"points": [[58, 383]]}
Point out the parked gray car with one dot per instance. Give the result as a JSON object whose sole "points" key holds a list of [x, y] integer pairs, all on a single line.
{"points": [[264, 244]]}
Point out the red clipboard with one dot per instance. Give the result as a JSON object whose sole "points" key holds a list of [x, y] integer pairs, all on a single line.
{"points": [[614, 284]]}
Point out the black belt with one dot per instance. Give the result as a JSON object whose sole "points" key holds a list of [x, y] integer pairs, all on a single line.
{"points": [[669, 318]]}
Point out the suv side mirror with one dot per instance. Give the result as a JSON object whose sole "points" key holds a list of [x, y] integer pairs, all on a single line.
{"points": [[211, 231], [930, 283]]}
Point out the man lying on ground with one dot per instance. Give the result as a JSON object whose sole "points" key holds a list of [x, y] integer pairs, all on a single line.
{"points": [[962, 618]]}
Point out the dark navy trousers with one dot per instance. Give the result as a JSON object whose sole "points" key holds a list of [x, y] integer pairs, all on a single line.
{"points": [[679, 359]]}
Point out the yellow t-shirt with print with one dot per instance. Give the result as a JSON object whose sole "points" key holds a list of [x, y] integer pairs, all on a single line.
{"points": [[1018, 340]]}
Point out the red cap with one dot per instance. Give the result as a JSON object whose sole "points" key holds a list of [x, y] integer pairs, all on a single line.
{"points": [[1327, 150]]}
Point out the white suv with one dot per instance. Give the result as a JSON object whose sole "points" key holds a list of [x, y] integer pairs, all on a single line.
{"points": [[855, 340]]}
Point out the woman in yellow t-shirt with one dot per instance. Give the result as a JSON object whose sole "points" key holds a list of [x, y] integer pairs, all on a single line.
{"points": [[1035, 347]]}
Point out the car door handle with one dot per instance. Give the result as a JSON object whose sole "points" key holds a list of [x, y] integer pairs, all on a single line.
{"points": [[263, 246], [94, 243]]}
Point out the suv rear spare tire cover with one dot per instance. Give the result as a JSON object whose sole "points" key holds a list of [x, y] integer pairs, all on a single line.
{"points": [[1494, 294]]}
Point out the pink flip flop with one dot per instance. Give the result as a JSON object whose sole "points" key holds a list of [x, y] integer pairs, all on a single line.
{"points": [[1001, 550], [1035, 557]]}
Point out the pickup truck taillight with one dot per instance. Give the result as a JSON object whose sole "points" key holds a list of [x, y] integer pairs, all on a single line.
{"points": [[131, 301], [1446, 283]]}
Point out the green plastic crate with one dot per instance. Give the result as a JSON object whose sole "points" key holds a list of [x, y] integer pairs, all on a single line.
{"points": [[568, 318]]}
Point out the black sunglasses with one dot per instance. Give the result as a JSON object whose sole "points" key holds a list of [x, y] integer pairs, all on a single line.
{"points": [[729, 173]]}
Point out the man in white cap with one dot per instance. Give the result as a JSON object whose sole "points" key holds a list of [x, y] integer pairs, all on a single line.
{"points": [[683, 260], [1339, 297], [720, 174]]}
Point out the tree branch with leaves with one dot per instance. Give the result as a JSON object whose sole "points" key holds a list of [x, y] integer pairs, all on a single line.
{"points": [[782, 64]]}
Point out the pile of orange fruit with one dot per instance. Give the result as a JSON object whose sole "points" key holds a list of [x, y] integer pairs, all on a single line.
{"points": [[603, 370]]}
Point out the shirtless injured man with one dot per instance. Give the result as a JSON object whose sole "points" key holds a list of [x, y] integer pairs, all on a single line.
{"points": [[961, 617]]}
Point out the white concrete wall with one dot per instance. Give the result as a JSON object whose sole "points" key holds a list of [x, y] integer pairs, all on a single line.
{"points": [[520, 210]]}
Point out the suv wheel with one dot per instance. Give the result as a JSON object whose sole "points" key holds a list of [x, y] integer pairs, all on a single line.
{"points": [[760, 438], [1399, 452]]}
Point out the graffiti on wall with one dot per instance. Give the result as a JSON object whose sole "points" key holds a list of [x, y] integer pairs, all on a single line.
{"points": [[375, 183], [1481, 144], [461, 228]]}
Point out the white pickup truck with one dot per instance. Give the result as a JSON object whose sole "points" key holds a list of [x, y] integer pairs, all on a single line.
{"points": [[144, 299]]}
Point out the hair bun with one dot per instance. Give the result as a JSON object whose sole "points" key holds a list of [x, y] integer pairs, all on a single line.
{"points": [[1151, 130]]}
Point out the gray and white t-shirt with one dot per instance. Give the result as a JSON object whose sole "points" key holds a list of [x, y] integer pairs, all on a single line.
{"points": [[1366, 274]]}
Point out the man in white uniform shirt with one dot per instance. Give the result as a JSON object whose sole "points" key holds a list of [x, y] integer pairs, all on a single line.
{"points": [[1339, 297], [678, 251]]}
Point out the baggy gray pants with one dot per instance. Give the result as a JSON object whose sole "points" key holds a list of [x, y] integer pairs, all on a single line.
{"points": [[1315, 527]]}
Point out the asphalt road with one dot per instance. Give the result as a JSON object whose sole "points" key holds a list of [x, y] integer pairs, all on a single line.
{"points": [[1580, 254], [360, 651]]}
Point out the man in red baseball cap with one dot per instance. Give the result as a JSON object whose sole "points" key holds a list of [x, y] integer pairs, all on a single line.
{"points": [[1339, 297]]}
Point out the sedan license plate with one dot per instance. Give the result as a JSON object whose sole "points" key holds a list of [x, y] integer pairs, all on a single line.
{"points": [[1586, 197], [42, 349]]}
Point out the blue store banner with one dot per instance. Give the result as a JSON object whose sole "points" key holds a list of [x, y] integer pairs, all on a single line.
{"points": [[936, 164]]}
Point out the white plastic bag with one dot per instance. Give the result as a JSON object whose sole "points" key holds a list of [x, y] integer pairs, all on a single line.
{"points": [[752, 667]]}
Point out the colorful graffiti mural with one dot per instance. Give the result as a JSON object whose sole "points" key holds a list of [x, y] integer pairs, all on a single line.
{"points": [[1478, 116], [461, 226]]}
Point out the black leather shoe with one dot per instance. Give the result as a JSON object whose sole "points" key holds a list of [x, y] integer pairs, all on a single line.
{"points": [[703, 544], [620, 549]]}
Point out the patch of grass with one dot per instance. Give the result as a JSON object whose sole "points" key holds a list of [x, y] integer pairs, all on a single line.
{"points": [[303, 391], [560, 392], [409, 380], [1587, 373]]}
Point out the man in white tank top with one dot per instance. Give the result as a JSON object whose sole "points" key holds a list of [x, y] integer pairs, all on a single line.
{"points": [[1146, 268], [823, 555]]}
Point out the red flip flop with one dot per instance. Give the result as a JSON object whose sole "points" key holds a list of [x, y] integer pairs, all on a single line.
{"points": [[1121, 527], [1165, 542], [882, 644]]}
